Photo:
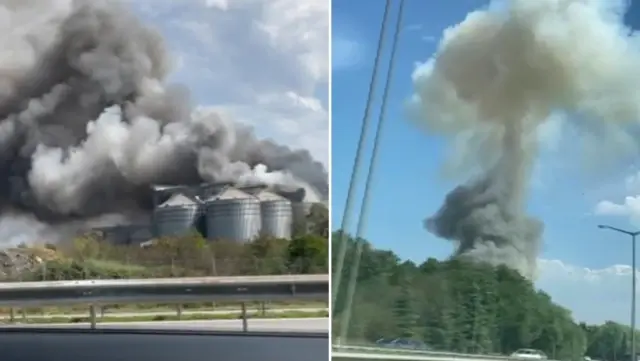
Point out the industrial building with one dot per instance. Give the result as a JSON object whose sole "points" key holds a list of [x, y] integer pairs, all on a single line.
{"points": [[176, 216], [218, 212], [233, 215], [276, 213]]}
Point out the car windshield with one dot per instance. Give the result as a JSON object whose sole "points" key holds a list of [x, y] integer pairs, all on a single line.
{"points": [[485, 198], [174, 172]]}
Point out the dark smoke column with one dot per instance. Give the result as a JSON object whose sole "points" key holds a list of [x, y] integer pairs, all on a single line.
{"points": [[478, 218], [495, 78], [486, 218]]}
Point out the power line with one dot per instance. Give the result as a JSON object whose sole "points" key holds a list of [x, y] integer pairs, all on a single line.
{"points": [[364, 210], [346, 216]]}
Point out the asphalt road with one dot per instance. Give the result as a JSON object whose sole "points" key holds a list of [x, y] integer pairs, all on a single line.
{"points": [[283, 324], [114, 313]]}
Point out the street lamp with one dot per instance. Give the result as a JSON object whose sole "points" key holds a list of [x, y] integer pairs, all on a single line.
{"points": [[633, 284]]}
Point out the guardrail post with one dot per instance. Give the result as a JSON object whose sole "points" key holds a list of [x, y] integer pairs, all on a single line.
{"points": [[179, 311], [24, 315], [245, 326], [12, 315], [92, 317]]}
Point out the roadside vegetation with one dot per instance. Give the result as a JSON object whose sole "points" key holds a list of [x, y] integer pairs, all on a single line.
{"points": [[466, 307], [202, 316], [91, 257]]}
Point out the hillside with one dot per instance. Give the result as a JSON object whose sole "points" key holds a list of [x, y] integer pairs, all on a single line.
{"points": [[463, 307]]}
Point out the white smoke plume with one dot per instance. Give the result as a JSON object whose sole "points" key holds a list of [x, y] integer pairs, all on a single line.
{"points": [[87, 122], [495, 78]]}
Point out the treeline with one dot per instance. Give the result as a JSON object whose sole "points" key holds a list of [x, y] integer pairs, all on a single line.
{"points": [[465, 307], [90, 257]]}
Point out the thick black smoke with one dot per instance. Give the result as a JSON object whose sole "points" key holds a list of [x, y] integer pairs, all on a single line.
{"points": [[487, 221], [496, 77], [87, 122]]}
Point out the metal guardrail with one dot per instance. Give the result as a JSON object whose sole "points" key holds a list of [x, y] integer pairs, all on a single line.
{"points": [[380, 353], [366, 356], [164, 290]]}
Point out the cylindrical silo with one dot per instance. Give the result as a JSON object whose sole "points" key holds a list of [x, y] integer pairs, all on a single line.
{"points": [[175, 217], [277, 215], [233, 215]]}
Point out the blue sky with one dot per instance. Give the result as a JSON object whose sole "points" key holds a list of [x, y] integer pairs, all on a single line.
{"points": [[409, 185]]}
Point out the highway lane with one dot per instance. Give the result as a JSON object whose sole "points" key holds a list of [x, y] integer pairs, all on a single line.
{"points": [[115, 313], [282, 325]]}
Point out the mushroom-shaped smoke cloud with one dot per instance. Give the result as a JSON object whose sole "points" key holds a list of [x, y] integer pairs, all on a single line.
{"points": [[496, 77]]}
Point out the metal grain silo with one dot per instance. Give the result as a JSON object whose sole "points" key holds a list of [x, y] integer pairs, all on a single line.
{"points": [[233, 215], [277, 215], [176, 217]]}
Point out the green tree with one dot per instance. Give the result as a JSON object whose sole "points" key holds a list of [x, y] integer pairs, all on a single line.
{"points": [[308, 254], [461, 306], [318, 220]]}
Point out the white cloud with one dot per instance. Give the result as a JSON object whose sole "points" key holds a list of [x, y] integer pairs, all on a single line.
{"points": [[628, 207], [265, 61], [594, 295], [220, 4]]}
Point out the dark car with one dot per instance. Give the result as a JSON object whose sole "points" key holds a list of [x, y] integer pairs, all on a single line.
{"points": [[383, 341], [406, 344]]}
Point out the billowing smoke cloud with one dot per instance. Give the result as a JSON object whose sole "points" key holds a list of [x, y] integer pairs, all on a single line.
{"points": [[87, 122], [496, 77]]}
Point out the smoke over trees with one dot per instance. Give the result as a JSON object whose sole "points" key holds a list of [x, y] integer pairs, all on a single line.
{"points": [[495, 78], [87, 121]]}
